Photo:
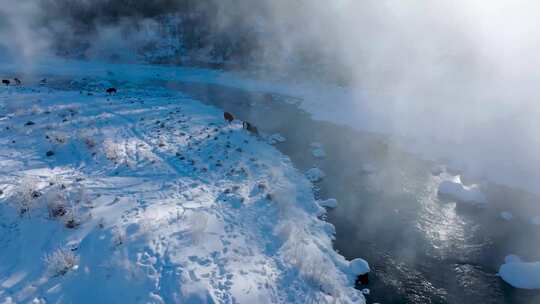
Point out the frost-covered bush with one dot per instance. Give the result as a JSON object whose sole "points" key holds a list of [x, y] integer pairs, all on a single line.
{"points": [[60, 261], [118, 236], [65, 202], [57, 138], [88, 137], [56, 202], [73, 218], [36, 110], [111, 150], [26, 194], [313, 266]]}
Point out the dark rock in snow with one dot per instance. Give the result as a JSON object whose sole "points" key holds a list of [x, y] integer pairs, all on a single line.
{"points": [[228, 117], [50, 153]]}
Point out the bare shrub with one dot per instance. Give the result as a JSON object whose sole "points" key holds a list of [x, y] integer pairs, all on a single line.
{"points": [[87, 136], [56, 202], [72, 219], [26, 194], [60, 262], [118, 236]]}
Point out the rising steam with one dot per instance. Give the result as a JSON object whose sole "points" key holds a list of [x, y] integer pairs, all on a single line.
{"points": [[457, 76]]}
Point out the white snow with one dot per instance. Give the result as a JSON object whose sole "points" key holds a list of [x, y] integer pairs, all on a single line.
{"points": [[505, 215], [519, 274], [315, 175], [461, 193], [359, 266], [276, 138], [328, 203], [151, 198]]}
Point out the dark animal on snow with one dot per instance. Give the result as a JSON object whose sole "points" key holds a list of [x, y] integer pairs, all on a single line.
{"points": [[6, 82], [250, 128], [17, 81], [111, 91], [228, 117]]}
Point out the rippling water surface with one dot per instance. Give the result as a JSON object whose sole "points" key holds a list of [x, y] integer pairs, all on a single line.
{"points": [[422, 249]]}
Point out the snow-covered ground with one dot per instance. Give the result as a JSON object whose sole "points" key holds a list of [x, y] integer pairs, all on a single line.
{"points": [[150, 197]]}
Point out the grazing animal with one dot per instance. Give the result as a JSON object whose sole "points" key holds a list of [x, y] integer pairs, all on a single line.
{"points": [[6, 82], [17, 81], [228, 117], [250, 128], [111, 91]]}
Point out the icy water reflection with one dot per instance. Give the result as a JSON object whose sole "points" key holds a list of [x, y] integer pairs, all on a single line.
{"points": [[421, 249]]}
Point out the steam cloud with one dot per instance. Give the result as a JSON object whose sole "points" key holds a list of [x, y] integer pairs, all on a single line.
{"points": [[458, 76]]}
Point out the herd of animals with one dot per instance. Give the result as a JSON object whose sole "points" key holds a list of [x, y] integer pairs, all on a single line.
{"points": [[7, 82], [361, 279], [227, 116]]}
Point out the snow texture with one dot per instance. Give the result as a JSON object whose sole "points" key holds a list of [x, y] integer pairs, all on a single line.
{"points": [[315, 175], [359, 266], [150, 197], [276, 138], [328, 203]]}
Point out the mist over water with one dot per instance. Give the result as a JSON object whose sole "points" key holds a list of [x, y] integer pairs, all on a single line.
{"points": [[457, 79]]}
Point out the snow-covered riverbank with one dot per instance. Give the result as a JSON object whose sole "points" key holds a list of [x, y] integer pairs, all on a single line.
{"points": [[478, 146], [150, 197]]}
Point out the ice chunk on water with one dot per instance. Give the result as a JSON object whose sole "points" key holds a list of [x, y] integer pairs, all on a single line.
{"points": [[315, 175], [359, 266], [318, 153], [520, 274], [461, 193], [276, 138], [329, 203]]}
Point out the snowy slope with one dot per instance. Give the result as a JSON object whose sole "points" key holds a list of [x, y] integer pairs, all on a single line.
{"points": [[149, 197]]}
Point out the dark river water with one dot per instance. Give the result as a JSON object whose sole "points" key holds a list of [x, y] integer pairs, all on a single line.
{"points": [[421, 249]]}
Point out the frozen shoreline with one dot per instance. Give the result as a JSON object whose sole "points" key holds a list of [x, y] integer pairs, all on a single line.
{"points": [[357, 109], [170, 204]]}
